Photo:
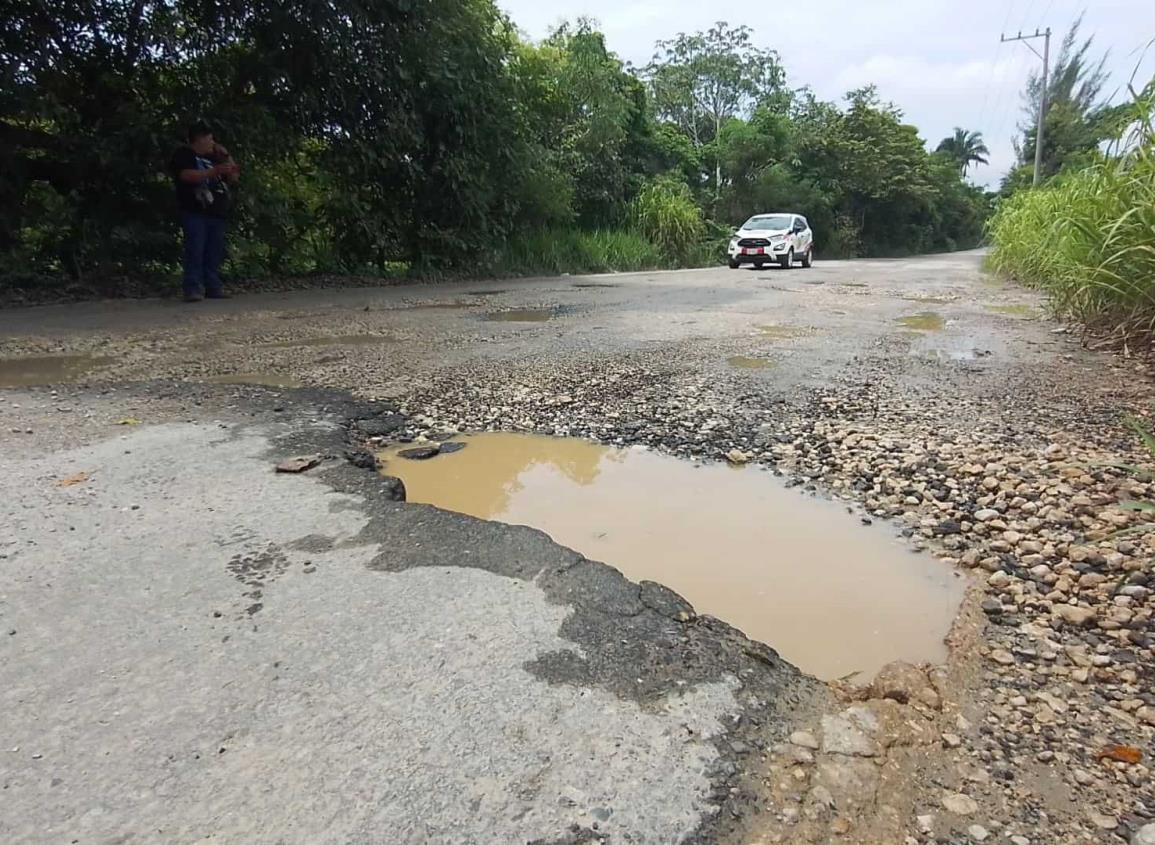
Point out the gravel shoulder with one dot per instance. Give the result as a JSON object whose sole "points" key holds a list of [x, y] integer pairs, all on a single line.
{"points": [[927, 397]]}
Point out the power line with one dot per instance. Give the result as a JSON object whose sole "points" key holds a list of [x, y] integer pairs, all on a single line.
{"points": [[1026, 15], [998, 110], [994, 67]]}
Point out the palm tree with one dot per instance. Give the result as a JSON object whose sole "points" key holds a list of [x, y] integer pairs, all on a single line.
{"points": [[965, 148]]}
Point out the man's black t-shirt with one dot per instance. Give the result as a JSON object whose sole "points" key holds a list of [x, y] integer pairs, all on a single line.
{"points": [[208, 197]]}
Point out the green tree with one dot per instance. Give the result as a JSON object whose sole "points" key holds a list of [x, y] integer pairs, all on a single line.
{"points": [[408, 156], [964, 149], [699, 82], [587, 117], [1077, 119], [883, 192]]}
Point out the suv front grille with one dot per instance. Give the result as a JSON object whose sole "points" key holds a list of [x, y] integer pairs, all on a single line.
{"points": [[753, 242]]}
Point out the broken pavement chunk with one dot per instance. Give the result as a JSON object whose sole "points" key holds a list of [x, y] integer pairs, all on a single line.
{"points": [[421, 453], [299, 464]]}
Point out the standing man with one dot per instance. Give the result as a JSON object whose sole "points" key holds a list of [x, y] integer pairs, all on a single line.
{"points": [[203, 172]]}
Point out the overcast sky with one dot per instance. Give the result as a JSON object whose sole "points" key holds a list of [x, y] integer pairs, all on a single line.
{"points": [[940, 62]]}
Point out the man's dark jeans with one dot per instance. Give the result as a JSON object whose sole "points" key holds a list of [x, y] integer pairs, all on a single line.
{"points": [[204, 251]]}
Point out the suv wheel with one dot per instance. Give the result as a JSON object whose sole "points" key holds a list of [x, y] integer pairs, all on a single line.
{"points": [[734, 265], [808, 258], [787, 260]]}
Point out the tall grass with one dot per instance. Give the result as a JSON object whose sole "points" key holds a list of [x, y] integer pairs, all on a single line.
{"points": [[666, 230], [553, 251], [666, 214], [1088, 238]]}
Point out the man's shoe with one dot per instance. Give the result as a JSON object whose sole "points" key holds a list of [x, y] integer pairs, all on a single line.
{"points": [[193, 297], [217, 294]]}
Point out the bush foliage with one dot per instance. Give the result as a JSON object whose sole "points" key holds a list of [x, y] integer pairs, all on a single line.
{"points": [[429, 134], [1088, 236]]}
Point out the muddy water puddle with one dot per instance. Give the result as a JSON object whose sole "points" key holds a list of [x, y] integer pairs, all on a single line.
{"points": [[928, 300], [254, 379], [780, 331], [331, 340], [832, 596], [947, 348], [523, 315], [30, 371], [743, 362], [1026, 312], [927, 321], [437, 306]]}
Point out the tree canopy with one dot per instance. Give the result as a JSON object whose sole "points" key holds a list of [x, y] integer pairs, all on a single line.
{"points": [[1078, 118], [426, 134], [964, 148]]}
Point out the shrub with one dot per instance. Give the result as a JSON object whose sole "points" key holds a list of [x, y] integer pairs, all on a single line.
{"points": [[1088, 237], [664, 212]]}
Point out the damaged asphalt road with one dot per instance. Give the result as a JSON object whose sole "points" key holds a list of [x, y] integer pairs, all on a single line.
{"points": [[199, 649]]}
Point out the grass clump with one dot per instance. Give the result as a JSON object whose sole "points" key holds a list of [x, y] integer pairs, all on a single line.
{"points": [[1087, 238]]}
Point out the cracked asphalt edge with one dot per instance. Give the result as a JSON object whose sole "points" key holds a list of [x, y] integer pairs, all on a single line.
{"points": [[640, 642]]}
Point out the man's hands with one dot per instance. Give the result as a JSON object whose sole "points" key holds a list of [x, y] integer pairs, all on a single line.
{"points": [[228, 168]]}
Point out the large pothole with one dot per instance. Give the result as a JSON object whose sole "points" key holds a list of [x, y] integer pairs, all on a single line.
{"points": [[800, 573], [31, 371]]}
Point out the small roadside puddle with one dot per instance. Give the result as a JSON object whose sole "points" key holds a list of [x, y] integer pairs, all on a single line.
{"points": [[780, 332], [523, 315], [254, 379], [927, 321], [34, 370], [331, 340], [832, 596], [1026, 312], [437, 306], [742, 362], [947, 348]]}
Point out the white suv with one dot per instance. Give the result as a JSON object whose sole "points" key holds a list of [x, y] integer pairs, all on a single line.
{"points": [[763, 238]]}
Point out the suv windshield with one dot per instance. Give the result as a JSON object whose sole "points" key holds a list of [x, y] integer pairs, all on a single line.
{"points": [[769, 221]]}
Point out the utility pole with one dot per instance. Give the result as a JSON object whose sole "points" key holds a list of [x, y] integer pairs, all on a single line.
{"points": [[1046, 57]]}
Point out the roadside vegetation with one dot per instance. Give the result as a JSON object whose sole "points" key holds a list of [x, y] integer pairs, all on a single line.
{"points": [[1086, 236], [465, 149]]}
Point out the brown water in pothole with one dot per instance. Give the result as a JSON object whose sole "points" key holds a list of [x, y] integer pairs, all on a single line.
{"points": [[522, 315], [832, 596], [332, 340], [924, 322], [437, 306], [743, 362], [1025, 311], [780, 332], [254, 379], [35, 370]]}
